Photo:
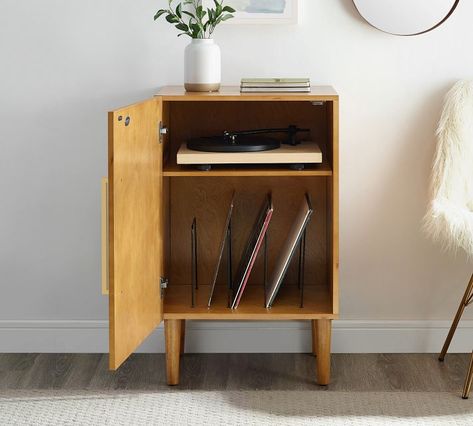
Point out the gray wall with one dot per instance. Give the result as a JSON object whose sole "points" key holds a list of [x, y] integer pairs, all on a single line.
{"points": [[66, 63]]}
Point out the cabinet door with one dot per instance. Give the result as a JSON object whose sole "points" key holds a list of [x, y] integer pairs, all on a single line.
{"points": [[135, 230]]}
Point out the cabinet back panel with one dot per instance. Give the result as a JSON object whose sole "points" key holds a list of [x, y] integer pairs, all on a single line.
{"points": [[208, 199]]}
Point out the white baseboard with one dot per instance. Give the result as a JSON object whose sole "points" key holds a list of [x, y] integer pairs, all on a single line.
{"points": [[349, 336]]}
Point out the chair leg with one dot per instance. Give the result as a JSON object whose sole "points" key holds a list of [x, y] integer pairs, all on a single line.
{"points": [[465, 301], [468, 380]]}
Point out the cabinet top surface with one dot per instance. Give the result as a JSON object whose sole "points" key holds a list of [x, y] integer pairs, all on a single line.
{"points": [[178, 93]]}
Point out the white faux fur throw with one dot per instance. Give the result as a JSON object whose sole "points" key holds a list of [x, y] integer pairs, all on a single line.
{"points": [[450, 215]]}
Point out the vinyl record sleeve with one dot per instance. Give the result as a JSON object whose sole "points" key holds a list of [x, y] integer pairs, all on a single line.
{"points": [[222, 247], [287, 251], [252, 249]]}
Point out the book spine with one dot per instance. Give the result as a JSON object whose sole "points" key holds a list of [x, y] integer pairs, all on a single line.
{"points": [[275, 80], [274, 85]]}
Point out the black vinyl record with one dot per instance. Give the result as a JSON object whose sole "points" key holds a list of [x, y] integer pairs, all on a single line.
{"points": [[243, 144]]}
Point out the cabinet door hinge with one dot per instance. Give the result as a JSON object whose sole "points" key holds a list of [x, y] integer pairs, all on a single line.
{"points": [[162, 130], [163, 283]]}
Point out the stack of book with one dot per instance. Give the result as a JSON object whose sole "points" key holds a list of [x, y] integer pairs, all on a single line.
{"points": [[268, 85]]}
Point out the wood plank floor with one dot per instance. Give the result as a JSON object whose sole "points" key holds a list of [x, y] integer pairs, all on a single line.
{"points": [[367, 372]]}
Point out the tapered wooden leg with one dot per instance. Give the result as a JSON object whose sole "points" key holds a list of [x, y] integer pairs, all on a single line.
{"points": [[463, 304], [468, 380], [172, 330], [183, 336], [314, 337], [324, 334]]}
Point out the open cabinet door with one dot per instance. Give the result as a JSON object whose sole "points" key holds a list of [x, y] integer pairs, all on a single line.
{"points": [[135, 230]]}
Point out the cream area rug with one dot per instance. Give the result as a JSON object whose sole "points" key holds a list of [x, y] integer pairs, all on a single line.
{"points": [[233, 408]]}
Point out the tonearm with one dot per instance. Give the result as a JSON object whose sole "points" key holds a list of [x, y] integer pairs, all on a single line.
{"points": [[291, 132]]}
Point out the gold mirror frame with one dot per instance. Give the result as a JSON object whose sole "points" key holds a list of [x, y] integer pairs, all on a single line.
{"points": [[454, 6]]}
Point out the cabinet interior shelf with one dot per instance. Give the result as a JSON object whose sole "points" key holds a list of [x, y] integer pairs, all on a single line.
{"points": [[317, 304], [172, 169]]}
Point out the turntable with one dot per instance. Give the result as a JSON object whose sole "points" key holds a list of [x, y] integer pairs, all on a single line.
{"points": [[250, 147]]}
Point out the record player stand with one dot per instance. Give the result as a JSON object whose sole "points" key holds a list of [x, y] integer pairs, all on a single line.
{"points": [[149, 202]]}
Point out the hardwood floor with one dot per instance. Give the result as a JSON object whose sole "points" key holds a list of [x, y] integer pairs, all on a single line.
{"points": [[367, 372]]}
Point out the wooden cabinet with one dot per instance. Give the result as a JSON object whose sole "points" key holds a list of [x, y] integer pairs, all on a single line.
{"points": [[152, 202]]}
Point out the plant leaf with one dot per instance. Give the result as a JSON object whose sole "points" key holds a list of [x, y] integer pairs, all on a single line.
{"points": [[172, 19], [182, 27], [195, 30], [229, 9], [200, 12], [189, 14], [178, 10], [159, 13]]}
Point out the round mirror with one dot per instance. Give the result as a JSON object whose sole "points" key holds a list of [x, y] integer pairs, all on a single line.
{"points": [[406, 17]]}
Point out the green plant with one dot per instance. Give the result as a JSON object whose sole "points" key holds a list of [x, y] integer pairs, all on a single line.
{"points": [[190, 17]]}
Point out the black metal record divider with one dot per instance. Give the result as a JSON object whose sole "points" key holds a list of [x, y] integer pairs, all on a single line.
{"points": [[229, 263], [302, 268], [194, 278], [265, 267]]}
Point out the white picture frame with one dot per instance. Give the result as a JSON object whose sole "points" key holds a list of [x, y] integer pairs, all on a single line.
{"points": [[290, 14]]}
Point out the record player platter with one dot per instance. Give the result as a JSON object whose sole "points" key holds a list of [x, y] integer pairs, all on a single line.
{"points": [[250, 147], [244, 144], [245, 140], [307, 152]]}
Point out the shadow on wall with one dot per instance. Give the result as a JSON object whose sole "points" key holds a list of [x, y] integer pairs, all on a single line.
{"points": [[350, 8], [408, 260]]}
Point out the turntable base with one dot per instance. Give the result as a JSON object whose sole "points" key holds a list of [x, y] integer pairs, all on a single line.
{"points": [[304, 153]]}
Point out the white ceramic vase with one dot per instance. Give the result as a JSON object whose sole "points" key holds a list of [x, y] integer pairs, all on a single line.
{"points": [[202, 66]]}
